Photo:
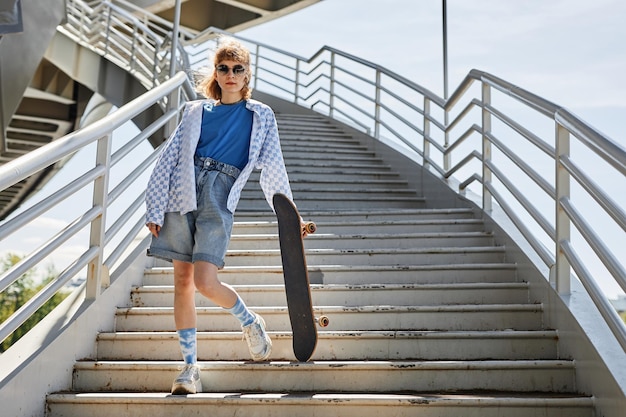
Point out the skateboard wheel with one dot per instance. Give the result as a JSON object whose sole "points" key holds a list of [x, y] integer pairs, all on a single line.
{"points": [[322, 321], [310, 227]]}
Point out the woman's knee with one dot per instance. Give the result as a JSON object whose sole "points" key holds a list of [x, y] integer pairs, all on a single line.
{"points": [[205, 279], [208, 286], [183, 277]]}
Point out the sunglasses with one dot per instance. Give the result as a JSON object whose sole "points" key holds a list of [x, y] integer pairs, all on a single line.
{"points": [[238, 70]]}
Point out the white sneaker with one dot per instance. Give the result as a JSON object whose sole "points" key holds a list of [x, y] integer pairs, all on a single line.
{"points": [[259, 343], [188, 381]]}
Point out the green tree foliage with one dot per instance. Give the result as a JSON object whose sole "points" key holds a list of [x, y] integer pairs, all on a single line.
{"points": [[18, 293]]}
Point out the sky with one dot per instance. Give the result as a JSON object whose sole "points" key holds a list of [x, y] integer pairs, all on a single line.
{"points": [[570, 52]]}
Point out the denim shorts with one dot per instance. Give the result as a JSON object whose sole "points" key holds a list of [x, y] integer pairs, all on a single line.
{"points": [[203, 234]]}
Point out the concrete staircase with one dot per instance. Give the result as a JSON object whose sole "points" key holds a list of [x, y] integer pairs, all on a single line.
{"points": [[427, 317], [38, 103]]}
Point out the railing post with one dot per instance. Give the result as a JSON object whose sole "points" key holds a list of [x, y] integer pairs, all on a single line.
{"points": [[133, 47], [256, 67], [486, 145], [332, 85], [107, 32], [173, 100], [155, 65], [377, 106], [83, 25], [175, 31], [97, 276], [563, 269], [426, 145], [174, 97], [297, 81], [447, 158]]}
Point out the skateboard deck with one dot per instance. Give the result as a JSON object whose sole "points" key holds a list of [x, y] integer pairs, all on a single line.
{"points": [[297, 288]]}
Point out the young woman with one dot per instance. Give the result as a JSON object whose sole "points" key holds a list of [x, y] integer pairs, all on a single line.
{"points": [[194, 190]]}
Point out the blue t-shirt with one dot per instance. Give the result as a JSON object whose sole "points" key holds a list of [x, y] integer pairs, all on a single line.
{"points": [[225, 133]]}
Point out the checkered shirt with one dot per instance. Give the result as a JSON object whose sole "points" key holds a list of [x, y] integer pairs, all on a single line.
{"points": [[172, 185]]}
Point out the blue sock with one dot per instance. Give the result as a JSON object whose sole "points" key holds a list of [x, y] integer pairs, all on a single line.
{"points": [[241, 312], [187, 340]]}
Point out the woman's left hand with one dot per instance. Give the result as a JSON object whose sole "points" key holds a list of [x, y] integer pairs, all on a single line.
{"points": [[307, 227]]}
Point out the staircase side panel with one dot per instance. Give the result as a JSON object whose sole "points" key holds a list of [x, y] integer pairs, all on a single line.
{"points": [[43, 360], [583, 334]]}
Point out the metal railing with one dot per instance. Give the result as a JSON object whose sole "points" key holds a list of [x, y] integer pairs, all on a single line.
{"points": [[141, 46], [107, 241], [542, 165]]}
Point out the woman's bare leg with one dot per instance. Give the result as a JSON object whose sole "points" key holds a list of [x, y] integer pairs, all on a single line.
{"points": [[203, 277], [207, 283], [188, 381], [184, 295]]}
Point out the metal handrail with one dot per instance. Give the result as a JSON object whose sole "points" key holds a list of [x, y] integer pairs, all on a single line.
{"points": [[402, 125], [138, 45], [101, 238]]}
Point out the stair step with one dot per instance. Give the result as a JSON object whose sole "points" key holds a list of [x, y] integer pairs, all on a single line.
{"points": [[332, 166], [314, 200], [364, 217], [292, 143], [377, 317], [485, 404], [555, 376], [320, 240], [341, 345], [305, 127], [389, 227], [306, 131], [357, 274], [345, 193], [317, 136], [339, 159], [330, 151], [412, 256], [302, 174], [305, 182], [350, 295]]}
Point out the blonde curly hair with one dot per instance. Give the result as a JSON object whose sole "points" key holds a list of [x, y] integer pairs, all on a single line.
{"points": [[228, 49]]}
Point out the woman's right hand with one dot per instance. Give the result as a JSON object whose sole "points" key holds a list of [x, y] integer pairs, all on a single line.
{"points": [[154, 229]]}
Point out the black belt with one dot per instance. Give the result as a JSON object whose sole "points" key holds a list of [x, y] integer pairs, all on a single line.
{"points": [[214, 165]]}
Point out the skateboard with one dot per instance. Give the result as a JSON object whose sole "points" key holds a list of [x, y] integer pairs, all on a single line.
{"points": [[297, 288]]}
